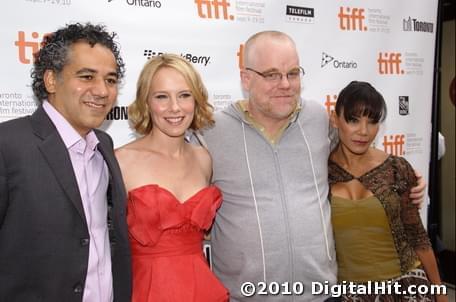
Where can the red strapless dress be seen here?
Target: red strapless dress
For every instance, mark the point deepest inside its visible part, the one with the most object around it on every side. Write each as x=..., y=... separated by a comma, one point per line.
x=166, y=244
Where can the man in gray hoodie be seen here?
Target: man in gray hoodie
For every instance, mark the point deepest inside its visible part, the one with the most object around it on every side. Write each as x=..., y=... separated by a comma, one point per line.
x=272, y=238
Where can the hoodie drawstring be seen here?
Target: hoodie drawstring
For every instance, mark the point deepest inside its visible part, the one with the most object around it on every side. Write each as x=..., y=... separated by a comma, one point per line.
x=322, y=217
x=254, y=201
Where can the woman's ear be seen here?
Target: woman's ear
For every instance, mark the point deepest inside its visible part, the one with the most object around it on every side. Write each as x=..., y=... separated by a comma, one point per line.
x=333, y=119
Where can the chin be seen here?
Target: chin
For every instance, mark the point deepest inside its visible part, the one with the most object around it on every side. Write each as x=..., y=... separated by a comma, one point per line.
x=358, y=151
x=174, y=133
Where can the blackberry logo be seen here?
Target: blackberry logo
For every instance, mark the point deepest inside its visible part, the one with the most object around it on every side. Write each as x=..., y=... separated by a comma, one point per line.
x=403, y=105
x=203, y=60
x=148, y=53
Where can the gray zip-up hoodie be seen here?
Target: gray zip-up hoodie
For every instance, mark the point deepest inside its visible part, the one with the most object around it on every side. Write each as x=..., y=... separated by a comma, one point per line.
x=274, y=223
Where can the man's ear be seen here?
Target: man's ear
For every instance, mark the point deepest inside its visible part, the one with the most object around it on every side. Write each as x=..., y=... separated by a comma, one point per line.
x=50, y=80
x=333, y=119
x=245, y=79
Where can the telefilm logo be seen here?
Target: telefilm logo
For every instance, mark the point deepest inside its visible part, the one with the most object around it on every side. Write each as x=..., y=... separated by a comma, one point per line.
x=142, y=3
x=299, y=14
x=403, y=105
x=352, y=19
x=416, y=25
x=203, y=60
x=27, y=45
x=214, y=9
x=118, y=113
x=394, y=144
x=389, y=63
x=337, y=63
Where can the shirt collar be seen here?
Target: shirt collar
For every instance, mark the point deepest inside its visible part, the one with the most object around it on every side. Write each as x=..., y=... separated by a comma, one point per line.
x=68, y=134
x=243, y=107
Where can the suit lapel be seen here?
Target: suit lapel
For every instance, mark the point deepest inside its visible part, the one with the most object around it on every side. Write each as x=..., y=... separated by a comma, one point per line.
x=106, y=150
x=56, y=155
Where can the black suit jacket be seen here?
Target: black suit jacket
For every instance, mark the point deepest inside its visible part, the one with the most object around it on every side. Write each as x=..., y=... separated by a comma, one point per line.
x=44, y=247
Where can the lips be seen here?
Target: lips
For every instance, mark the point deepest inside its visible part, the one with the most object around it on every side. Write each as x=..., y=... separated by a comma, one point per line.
x=360, y=142
x=95, y=105
x=174, y=120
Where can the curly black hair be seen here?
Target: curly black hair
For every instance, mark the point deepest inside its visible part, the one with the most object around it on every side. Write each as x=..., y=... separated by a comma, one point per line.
x=55, y=47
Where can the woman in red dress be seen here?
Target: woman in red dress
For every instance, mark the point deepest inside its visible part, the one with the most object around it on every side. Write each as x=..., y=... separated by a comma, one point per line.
x=171, y=202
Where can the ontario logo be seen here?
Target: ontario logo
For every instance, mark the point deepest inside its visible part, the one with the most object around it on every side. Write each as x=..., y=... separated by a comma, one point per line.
x=299, y=14
x=327, y=59
x=142, y=3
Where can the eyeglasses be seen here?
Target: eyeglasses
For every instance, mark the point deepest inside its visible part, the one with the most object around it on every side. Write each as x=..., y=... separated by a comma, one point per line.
x=275, y=76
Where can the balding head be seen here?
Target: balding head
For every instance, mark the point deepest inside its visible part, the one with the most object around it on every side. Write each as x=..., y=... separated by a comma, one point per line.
x=257, y=44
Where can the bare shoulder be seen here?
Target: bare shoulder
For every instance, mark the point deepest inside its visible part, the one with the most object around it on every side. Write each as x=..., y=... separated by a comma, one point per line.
x=379, y=156
x=202, y=157
x=128, y=153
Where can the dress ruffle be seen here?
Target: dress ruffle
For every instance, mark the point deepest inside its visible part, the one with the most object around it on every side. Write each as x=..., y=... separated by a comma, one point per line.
x=149, y=217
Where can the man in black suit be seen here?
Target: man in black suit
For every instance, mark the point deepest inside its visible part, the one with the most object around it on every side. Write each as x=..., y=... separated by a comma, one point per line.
x=63, y=232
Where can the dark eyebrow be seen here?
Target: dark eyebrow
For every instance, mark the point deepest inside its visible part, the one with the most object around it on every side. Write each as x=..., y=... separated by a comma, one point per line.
x=86, y=70
x=92, y=71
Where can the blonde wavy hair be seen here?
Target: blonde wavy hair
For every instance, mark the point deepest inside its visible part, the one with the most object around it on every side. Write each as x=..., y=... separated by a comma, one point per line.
x=138, y=111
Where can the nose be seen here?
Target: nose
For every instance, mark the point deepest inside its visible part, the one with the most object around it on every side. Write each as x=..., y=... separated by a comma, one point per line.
x=363, y=127
x=174, y=104
x=284, y=82
x=100, y=88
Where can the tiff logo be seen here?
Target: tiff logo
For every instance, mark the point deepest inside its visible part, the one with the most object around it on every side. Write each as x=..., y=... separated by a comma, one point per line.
x=240, y=55
x=26, y=48
x=208, y=9
x=330, y=103
x=389, y=63
x=351, y=19
x=394, y=144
